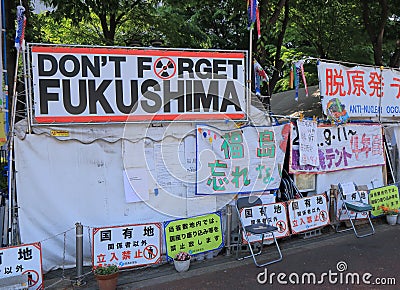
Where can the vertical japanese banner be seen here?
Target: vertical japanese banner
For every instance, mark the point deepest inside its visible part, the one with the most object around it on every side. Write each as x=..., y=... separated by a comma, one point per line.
x=244, y=160
x=351, y=197
x=340, y=147
x=308, y=147
x=273, y=214
x=24, y=259
x=361, y=91
x=127, y=246
x=194, y=235
x=308, y=213
x=384, y=196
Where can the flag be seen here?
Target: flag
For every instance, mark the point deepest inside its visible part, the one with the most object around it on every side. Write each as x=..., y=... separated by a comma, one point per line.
x=20, y=31
x=251, y=11
x=258, y=24
x=254, y=16
x=299, y=72
x=260, y=76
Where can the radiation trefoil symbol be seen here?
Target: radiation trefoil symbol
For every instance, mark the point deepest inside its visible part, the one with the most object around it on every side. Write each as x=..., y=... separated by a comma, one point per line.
x=164, y=68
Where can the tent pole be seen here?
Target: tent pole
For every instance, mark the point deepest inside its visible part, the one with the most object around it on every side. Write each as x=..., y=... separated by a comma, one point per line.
x=11, y=154
x=249, y=81
x=27, y=93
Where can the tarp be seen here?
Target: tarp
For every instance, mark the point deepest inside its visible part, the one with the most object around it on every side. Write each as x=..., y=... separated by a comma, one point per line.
x=70, y=174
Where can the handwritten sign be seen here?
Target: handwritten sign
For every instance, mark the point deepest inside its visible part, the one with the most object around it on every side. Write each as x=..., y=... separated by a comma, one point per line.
x=244, y=160
x=308, y=213
x=364, y=91
x=127, y=246
x=308, y=142
x=340, y=147
x=273, y=214
x=24, y=259
x=194, y=235
x=384, y=196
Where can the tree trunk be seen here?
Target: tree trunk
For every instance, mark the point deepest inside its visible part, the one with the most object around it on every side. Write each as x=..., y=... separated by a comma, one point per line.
x=375, y=30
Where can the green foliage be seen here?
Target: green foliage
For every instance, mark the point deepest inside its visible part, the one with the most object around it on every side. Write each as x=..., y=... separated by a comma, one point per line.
x=204, y=24
x=106, y=270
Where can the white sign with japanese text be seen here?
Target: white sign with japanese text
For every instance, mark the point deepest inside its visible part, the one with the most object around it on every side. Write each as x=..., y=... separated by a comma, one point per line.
x=341, y=210
x=364, y=91
x=127, y=246
x=308, y=213
x=244, y=160
x=273, y=214
x=24, y=259
x=308, y=142
x=76, y=84
x=341, y=147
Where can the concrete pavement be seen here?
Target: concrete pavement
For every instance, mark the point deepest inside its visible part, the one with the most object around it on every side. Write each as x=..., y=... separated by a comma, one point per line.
x=375, y=258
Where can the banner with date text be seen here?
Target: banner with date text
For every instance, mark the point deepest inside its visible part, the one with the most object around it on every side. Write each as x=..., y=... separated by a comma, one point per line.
x=340, y=147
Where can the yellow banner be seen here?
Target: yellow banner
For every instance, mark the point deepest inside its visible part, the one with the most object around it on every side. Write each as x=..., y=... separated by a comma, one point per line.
x=386, y=196
x=3, y=137
x=194, y=235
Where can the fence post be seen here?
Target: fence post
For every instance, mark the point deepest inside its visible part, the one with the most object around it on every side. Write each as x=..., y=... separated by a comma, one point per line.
x=79, y=253
x=228, y=229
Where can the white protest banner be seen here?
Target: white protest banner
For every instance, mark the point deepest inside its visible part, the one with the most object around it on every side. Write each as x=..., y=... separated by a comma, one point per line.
x=277, y=216
x=127, y=246
x=308, y=213
x=244, y=160
x=341, y=147
x=308, y=142
x=25, y=259
x=363, y=91
x=76, y=84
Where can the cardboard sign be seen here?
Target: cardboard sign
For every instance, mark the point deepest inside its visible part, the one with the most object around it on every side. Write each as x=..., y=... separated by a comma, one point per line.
x=249, y=159
x=75, y=84
x=127, y=246
x=24, y=259
x=194, y=235
x=277, y=216
x=384, y=196
x=308, y=213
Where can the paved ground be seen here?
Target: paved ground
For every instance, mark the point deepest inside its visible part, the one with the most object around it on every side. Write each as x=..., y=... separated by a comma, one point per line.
x=376, y=257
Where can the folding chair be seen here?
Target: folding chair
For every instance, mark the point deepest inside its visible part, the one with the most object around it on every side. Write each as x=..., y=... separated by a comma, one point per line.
x=345, y=193
x=254, y=229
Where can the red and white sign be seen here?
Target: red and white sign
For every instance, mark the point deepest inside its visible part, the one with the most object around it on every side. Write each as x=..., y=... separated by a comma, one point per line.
x=25, y=259
x=308, y=213
x=364, y=91
x=127, y=246
x=274, y=214
x=75, y=84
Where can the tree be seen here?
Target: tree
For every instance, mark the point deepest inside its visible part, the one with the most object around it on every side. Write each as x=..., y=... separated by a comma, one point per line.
x=203, y=24
x=329, y=30
x=375, y=16
x=110, y=14
x=274, y=22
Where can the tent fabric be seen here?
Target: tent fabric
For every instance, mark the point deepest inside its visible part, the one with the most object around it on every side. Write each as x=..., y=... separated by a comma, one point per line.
x=113, y=132
x=61, y=183
x=62, y=180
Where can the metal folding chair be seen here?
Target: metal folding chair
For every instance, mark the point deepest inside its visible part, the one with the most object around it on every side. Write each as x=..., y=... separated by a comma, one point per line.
x=346, y=194
x=260, y=228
